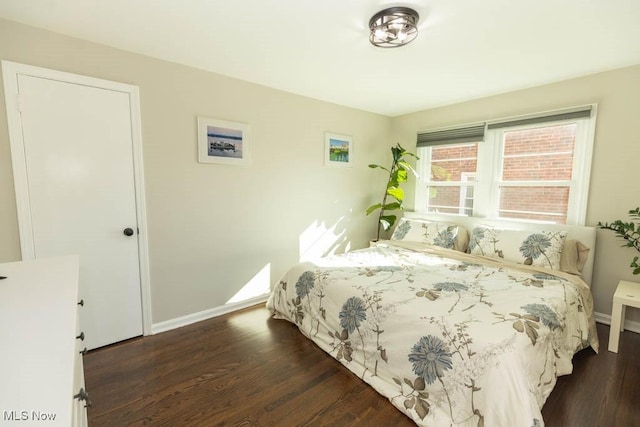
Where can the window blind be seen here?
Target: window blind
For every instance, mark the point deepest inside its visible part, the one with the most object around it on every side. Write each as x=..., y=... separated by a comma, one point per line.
x=580, y=113
x=459, y=135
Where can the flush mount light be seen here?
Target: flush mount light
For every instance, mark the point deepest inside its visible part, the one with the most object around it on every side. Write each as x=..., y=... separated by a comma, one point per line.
x=393, y=27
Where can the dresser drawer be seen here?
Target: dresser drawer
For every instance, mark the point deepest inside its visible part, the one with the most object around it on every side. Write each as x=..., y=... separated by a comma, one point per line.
x=40, y=367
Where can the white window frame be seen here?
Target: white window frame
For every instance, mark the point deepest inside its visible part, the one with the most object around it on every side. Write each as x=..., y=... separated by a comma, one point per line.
x=423, y=169
x=467, y=180
x=489, y=170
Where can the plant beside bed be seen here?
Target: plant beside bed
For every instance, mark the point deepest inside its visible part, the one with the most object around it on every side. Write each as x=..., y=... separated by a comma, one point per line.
x=398, y=173
x=630, y=232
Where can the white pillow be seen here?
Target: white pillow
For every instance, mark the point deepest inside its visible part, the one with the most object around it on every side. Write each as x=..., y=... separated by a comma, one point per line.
x=540, y=248
x=444, y=234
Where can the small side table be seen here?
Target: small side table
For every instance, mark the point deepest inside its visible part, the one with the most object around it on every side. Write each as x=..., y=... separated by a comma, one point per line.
x=627, y=294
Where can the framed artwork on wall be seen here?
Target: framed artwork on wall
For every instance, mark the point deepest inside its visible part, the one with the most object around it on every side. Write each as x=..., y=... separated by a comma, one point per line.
x=338, y=150
x=223, y=142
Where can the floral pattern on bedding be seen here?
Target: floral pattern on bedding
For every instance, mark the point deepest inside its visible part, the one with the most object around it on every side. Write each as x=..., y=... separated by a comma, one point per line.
x=449, y=339
x=445, y=235
x=540, y=248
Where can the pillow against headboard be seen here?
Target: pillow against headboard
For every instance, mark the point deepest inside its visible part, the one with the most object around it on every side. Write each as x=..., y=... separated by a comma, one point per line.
x=444, y=234
x=574, y=256
x=539, y=248
x=584, y=234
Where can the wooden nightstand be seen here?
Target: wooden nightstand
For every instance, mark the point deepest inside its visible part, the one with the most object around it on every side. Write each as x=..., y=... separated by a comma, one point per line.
x=627, y=294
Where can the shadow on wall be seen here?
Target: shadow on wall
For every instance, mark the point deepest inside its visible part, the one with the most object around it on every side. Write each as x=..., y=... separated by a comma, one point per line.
x=319, y=239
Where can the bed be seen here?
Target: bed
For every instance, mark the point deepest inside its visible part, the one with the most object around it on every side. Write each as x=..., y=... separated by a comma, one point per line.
x=458, y=321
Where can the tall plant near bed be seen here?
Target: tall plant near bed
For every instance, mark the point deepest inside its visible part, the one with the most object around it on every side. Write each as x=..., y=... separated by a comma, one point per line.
x=398, y=173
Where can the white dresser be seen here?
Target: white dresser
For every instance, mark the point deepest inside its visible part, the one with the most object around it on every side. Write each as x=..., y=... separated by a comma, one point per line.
x=41, y=373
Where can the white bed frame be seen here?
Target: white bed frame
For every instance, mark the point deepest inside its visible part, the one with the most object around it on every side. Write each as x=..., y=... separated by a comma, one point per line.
x=586, y=235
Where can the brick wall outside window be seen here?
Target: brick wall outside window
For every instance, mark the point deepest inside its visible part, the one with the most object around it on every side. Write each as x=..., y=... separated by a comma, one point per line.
x=543, y=148
x=540, y=154
x=454, y=160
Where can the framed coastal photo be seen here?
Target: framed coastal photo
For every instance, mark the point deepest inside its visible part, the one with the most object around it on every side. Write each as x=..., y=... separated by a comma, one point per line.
x=338, y=150
x=223, y=142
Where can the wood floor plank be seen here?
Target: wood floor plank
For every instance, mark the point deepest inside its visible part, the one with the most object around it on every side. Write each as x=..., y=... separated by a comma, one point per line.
x=247, y=369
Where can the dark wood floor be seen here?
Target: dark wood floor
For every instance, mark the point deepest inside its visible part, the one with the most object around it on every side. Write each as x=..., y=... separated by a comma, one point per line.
x=246, y=369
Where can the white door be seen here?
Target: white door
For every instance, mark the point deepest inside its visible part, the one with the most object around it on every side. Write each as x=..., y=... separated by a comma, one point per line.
x=82, y=196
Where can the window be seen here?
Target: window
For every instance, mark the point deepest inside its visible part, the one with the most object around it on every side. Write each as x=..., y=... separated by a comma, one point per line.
x=534, y=168
x=451, y=170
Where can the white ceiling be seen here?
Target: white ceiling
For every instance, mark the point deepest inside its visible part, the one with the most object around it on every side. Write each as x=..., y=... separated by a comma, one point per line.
x=466, y=49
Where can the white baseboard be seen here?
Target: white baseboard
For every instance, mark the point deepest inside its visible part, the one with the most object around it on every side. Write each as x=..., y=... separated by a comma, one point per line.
x=178, y=322
x=629, y=325
x=167, y=325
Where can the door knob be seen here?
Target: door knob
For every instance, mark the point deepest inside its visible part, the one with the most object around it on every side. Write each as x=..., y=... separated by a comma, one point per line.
x=128, y=231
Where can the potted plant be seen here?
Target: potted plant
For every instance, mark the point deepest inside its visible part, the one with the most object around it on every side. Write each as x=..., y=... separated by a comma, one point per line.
x=630, y=232
x=398, y=173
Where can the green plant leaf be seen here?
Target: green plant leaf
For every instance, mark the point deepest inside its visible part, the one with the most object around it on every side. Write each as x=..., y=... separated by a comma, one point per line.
x=387, y=221
x=397, y=193
x=402, y=175
x=397, y=152
x=378, y=166
x=373, y=208
x=392, y=207
x=407, y=168
x=399, y=175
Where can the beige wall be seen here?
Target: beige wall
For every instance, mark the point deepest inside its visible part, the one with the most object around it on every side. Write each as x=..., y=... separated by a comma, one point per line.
x=212, y=228
x=615, y=173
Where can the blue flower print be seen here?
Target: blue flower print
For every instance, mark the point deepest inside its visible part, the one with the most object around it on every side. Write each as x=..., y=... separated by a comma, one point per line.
x=547, y=316
x=477, y=235
x=352, y=314
x=444, y=239
x=430, y=357
x=450, y=287
x=534, y=246
x=305, y=283
x=401, y=231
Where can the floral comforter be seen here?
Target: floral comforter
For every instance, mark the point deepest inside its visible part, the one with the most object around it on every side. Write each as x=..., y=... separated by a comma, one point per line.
x=449, y=338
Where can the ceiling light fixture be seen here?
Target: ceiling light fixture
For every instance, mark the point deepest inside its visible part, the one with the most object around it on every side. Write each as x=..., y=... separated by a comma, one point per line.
x=393, y=27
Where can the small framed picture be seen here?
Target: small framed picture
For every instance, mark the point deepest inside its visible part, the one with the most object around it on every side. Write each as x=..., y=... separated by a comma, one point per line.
x=338, y=150
x=223, y=142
